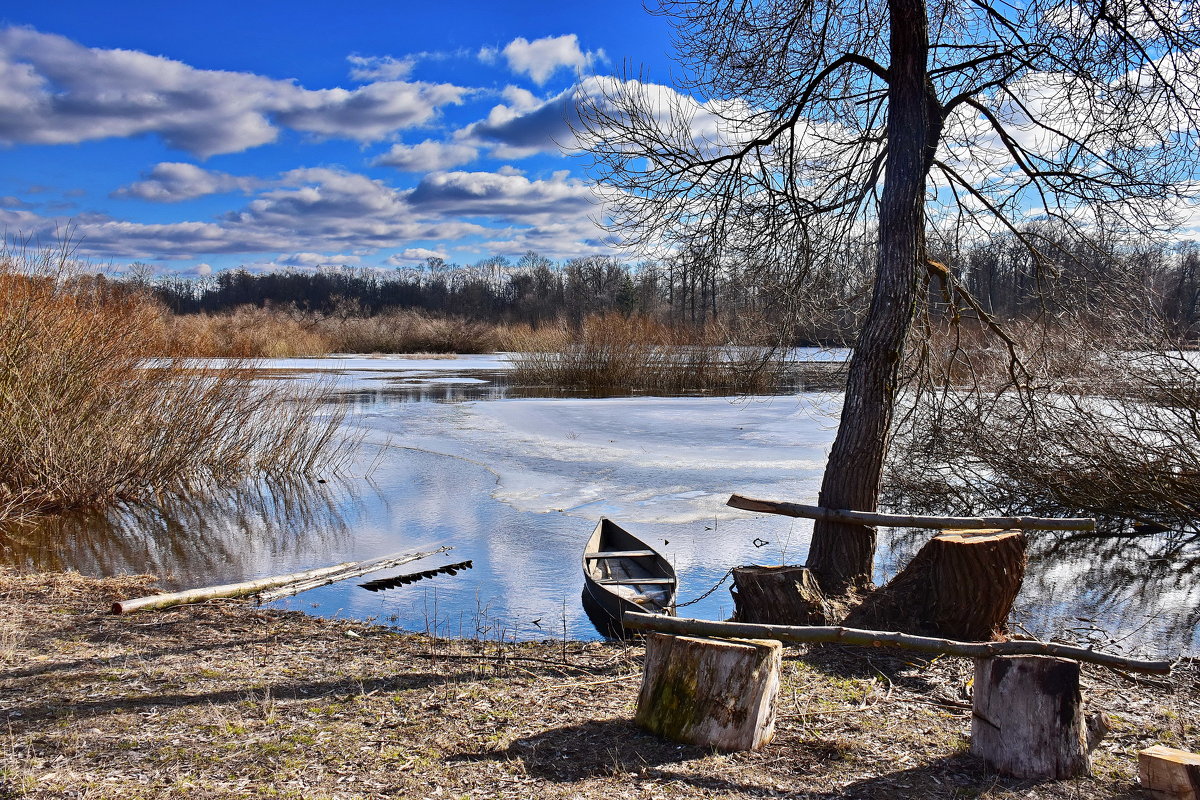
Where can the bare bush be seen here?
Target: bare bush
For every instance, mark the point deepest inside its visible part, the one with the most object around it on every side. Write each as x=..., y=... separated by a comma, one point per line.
x=86, y=420
x=1062, y=415
x=614, y=354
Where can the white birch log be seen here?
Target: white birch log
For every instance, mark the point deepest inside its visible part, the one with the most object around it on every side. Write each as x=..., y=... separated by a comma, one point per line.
x=710, y=692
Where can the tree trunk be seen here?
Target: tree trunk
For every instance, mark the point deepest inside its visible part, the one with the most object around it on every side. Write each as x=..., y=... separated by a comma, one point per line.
x=779, y=596
x=1028, y=717
x=960, y=585
x=710, y=692
x=842, y=554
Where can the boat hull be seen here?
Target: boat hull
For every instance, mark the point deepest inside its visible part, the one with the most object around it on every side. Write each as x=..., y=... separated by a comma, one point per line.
x=621, y=573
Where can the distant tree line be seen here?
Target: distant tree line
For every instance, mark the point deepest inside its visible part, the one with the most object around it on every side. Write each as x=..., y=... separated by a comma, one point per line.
x=817, y=298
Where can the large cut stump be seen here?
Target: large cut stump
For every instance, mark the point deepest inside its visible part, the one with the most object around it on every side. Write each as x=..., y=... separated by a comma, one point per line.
x=1170, y=774
x=779, y=596
x=710, y=692
x=960, y=585
x=1027, y=718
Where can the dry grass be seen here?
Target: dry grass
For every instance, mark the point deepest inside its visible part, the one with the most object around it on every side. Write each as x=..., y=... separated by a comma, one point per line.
x=85, y=421
x=615, y=354
x=223, y=700
x=250, y=331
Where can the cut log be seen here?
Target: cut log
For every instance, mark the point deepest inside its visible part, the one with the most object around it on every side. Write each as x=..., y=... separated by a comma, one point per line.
x=911, y=520
x=1027, y=719
x=1170, y=774
x=960, y=585
x=779, y=596
x=859, y=638
x=273, y=587
x=710, y=692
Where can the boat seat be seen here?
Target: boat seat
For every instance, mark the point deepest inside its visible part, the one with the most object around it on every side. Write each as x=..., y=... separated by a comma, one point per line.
x=621, y=554
x=632, y=581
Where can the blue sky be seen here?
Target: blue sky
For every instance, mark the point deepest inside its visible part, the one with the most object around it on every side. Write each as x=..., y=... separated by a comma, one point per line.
x=198, y=137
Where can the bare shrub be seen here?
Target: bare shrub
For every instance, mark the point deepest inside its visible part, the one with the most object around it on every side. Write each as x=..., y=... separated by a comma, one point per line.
x=86, y=420
x=1073, y=414
x=613, y=354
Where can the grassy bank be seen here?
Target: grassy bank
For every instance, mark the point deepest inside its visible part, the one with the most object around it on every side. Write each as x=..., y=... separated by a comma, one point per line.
x=86, y=421
x=225, y=700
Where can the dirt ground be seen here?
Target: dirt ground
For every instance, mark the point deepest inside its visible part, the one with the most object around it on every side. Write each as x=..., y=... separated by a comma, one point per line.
x=225, y=700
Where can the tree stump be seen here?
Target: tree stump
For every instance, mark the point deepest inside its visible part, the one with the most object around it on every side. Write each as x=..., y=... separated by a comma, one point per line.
x=711, y=692
x=960, y=585
x=779, y=596
x=1027, y=719
x=1170, y=774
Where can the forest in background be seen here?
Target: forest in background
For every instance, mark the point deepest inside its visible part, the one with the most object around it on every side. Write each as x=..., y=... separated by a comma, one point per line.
x=818, y=299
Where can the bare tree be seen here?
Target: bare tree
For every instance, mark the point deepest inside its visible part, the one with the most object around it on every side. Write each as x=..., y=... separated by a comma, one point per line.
x=830, y=120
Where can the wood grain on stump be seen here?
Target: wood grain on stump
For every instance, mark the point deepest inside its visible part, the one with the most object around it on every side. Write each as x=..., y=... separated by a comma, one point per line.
x=710, y=692
x=960, y=585
x=786, y=595
x=1027, y=719
x=1169, y=774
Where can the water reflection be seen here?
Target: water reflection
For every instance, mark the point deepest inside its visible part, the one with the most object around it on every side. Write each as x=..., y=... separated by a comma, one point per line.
x=1119, y=592
x=207, y=537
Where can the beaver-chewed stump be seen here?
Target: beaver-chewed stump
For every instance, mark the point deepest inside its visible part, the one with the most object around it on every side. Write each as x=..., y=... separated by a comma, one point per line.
x=1027, y=718
x=786, y=595
x=710, y=692
x=960, y=585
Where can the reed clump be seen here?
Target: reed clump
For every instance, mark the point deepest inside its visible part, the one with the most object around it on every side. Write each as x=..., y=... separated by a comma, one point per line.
x=612, y=353
x=255, y=332
x=87, y=420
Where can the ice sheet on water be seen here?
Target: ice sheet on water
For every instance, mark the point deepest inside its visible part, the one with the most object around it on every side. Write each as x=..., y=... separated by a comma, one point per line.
x=647, y=459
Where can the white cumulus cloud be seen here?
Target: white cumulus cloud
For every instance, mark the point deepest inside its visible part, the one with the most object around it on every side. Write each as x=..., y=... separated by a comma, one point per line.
x=541, y=58
x=428, y=156
x=173, y=181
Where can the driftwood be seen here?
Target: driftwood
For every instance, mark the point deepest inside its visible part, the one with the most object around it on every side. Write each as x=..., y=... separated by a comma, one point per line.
x=380, y=584
x=710, y=692
x=1169, y=774
x=273, y=587
x=911, y=520
x=960, y=585
x=786, y=595
x=1027, y=718
x=854, y=636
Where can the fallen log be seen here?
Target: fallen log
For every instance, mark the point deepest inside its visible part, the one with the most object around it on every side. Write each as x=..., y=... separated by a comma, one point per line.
x=283, y=585
x=808, y=634
x=911, y=520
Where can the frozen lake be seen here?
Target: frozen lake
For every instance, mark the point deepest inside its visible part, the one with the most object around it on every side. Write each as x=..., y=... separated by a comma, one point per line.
x=454, y=455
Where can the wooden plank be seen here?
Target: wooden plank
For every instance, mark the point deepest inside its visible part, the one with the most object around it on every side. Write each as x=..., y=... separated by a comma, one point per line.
x=911, y=520
x=621, y=554
x=1170, y=774
x=633, y=581
x=855, y=636
x=280, y=584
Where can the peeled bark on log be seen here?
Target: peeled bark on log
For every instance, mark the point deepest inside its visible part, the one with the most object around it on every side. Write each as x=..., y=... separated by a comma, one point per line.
x=859, y=638
x=1027, y=719
x=784, y=595
x=960, y=585
x=710, y=692
x=1169, y=774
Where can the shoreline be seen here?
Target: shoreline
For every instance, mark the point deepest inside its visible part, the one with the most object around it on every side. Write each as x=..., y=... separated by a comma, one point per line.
x=227, y=700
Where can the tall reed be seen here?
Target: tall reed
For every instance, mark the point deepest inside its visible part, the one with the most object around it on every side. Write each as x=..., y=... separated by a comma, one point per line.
x=86, y=420
x=615, y=354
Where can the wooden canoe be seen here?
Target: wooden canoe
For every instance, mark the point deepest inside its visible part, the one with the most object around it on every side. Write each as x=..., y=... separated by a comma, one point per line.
x=622, y=573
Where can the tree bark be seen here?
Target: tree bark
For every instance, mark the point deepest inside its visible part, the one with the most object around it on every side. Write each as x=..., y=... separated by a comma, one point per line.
x=1027, y=718
x=710, y=692
x=842, y=554
x=779, y=596
x=960, y=585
